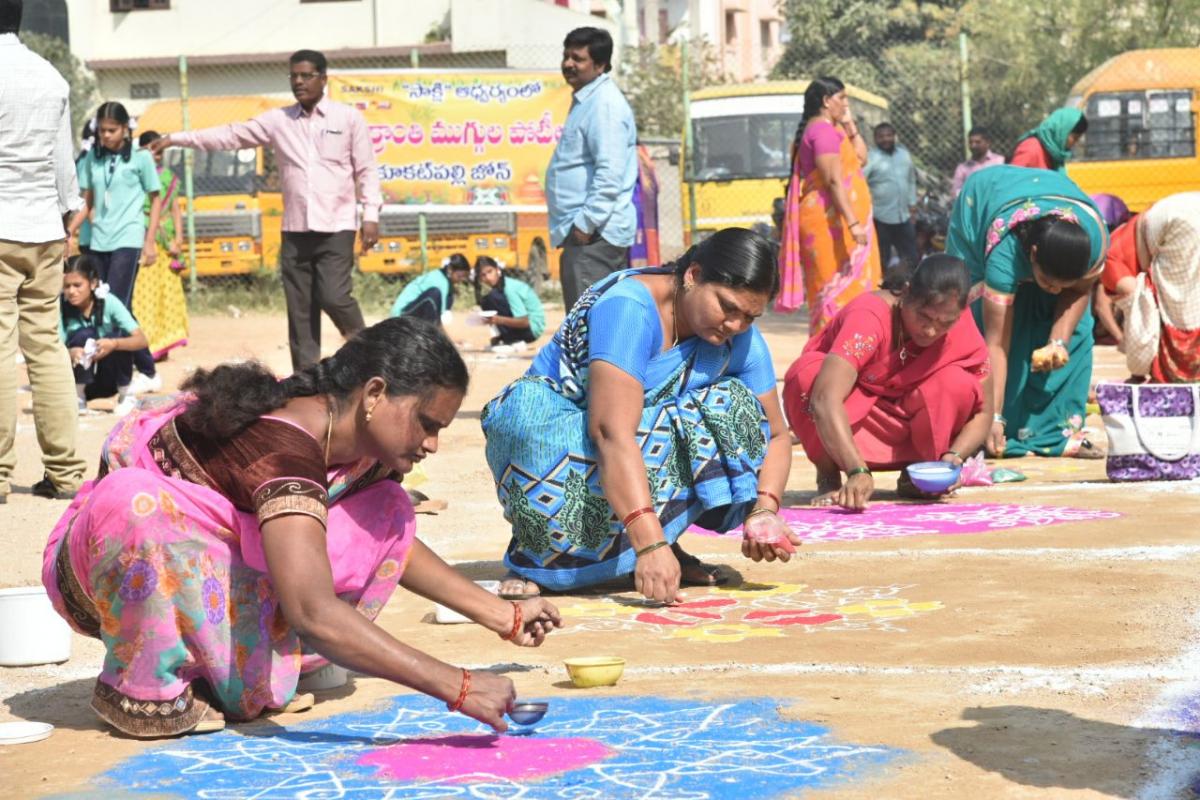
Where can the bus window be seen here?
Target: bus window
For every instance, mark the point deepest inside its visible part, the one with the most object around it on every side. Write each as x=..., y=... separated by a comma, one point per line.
x=721, y=148
x=771, y=145
x=1138, y=125
x=218, y=171
x=753, y=146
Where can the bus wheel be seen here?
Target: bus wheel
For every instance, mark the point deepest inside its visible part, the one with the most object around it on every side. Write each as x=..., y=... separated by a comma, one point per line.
x=537, y=267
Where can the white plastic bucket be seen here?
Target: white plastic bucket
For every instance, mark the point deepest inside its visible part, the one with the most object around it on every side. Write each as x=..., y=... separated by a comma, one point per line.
x=446, y=616
x=31, y=631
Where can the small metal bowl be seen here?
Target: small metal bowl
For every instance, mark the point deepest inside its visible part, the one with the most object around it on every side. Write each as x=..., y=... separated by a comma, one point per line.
x=528, y=713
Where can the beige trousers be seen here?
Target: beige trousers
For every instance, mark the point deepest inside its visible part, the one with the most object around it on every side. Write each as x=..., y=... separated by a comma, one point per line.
x=30, y=285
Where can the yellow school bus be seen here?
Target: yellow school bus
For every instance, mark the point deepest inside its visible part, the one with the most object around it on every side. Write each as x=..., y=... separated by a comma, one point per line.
x=239, y=209
x=741, y=149
x=1141, y=138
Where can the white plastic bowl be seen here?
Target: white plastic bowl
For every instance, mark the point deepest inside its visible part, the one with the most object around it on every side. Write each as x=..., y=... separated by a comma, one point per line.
x=446, y=616
x=31, y=631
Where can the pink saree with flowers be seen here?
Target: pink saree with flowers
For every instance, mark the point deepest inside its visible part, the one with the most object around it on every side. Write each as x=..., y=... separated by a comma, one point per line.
x=162, y=562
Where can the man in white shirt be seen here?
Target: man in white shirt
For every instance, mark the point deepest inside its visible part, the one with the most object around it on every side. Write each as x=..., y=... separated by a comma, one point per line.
x=38, y=190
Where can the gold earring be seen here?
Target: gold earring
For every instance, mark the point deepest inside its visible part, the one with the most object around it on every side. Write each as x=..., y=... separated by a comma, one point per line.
x=368, y=416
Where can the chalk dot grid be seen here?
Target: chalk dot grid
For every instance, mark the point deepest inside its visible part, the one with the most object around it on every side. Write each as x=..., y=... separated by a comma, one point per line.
x=657, y=747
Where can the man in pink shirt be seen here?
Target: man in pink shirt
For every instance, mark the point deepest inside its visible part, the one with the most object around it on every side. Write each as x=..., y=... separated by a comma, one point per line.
x=324, y=152
x=979, y=142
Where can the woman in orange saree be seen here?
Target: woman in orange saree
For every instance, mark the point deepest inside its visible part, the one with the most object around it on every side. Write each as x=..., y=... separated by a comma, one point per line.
x=828, y=254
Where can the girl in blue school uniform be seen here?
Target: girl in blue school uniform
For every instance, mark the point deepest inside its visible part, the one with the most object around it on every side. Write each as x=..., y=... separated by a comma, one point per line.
x=116, y=180
x=105, y=367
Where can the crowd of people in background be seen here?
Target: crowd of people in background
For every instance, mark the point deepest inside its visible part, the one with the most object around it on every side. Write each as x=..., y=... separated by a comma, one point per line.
x=652, y=408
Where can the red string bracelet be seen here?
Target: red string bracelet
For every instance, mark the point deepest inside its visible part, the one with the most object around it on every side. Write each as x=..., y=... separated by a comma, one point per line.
x=518, y=623
x=632, y=515
x=462, y=693
x=772, y=496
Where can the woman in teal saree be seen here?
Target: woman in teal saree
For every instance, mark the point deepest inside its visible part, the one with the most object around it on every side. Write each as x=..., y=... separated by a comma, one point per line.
x=1035, y=244
x=654, y=407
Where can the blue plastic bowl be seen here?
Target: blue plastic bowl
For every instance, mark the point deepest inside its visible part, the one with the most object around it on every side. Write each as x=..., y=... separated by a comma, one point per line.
x=933, y=477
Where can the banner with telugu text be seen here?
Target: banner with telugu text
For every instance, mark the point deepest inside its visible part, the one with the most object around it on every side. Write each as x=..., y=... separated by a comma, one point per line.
x=459, y=137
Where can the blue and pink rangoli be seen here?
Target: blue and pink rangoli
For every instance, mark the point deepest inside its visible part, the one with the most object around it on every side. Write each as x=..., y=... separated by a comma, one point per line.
x=585, y=749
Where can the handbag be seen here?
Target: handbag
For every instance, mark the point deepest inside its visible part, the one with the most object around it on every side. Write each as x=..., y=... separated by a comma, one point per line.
x=1153, y=430
x=1143, y=327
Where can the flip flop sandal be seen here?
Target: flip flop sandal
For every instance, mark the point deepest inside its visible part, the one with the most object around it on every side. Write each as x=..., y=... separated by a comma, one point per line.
x=512, y=576
x=211, y=722
x=686, y=560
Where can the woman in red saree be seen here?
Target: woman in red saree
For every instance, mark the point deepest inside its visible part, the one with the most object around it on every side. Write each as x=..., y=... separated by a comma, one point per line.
x=899, y=376
x=827, y=253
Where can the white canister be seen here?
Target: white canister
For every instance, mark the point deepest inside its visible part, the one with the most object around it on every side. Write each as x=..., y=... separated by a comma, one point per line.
x=31, y=631
x=447, y=616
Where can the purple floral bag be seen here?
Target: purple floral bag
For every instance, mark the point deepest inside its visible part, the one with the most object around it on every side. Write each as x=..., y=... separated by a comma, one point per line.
x=1153, y=430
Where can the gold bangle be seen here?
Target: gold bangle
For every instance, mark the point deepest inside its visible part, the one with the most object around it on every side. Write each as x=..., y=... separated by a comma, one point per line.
x=650, y=548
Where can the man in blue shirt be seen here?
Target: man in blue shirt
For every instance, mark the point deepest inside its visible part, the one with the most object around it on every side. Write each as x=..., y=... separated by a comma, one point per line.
x=589, y=183
x=893, y=180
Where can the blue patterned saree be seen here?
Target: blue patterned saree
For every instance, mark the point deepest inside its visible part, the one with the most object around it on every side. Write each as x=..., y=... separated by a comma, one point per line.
x=703, y=436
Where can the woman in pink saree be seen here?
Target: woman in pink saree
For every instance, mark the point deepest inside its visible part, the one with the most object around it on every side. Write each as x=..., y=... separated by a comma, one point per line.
x=251, y=530
x=900, y=376
x=827, y=253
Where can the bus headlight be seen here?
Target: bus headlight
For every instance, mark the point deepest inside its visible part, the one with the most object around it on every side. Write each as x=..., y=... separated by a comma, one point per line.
x=500, y=242
x=244, y=247
x=481, y=243
x=226, y=247
x=393, y=247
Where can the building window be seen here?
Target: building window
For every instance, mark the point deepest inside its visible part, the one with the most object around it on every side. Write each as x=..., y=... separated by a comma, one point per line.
x=145, y=91
x=118, y=6
x=730, y=27
x=764, y=34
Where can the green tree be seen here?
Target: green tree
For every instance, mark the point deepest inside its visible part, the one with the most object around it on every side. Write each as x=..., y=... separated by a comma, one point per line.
x=1025, y=58
x=898, y=49
x=651, y=77
x=83, y=85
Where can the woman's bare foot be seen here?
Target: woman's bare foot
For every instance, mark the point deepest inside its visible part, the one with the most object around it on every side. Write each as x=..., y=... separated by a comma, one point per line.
x=514, y=587
x=828, y=485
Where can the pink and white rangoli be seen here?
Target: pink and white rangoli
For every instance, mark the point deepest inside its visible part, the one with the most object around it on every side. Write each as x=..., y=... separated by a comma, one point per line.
x=891, y=520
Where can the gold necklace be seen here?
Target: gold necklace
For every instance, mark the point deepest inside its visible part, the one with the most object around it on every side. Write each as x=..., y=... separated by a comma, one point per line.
x=675, y=316
x=328, y=436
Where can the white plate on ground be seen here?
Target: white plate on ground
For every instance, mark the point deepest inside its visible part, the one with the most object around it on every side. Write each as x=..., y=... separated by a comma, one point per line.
x=24, y=732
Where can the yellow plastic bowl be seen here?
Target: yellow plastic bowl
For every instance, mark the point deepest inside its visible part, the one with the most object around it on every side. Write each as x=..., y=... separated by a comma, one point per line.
x=595, y=671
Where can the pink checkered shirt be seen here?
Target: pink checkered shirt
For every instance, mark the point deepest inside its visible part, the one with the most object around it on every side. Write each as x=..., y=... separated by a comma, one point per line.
x=322, y=157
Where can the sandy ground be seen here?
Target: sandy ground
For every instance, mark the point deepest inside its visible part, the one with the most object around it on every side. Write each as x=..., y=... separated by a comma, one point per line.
x=1042, y=661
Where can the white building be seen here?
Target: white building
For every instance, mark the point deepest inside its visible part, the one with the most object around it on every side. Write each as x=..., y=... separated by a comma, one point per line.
x=239, y=47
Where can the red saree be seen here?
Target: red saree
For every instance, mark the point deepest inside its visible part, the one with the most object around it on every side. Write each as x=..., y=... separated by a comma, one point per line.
x=908, y=404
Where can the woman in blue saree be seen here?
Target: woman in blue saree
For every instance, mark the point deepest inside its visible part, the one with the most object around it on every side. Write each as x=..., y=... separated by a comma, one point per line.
x=1035, y=244
x=654, y=407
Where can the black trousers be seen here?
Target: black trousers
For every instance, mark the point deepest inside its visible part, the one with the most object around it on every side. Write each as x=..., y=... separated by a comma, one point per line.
x=584, y=264
x=105, y=377
x=119, y=269
x=902, y=236
x=316, y=270
x=496, y=301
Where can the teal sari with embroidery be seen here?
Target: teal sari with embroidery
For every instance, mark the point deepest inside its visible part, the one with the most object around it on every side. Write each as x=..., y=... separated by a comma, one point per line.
x=703, y=436
x=1045, y=411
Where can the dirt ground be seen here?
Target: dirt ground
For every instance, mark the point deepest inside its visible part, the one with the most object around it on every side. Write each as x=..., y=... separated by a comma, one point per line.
x=1039, y=661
